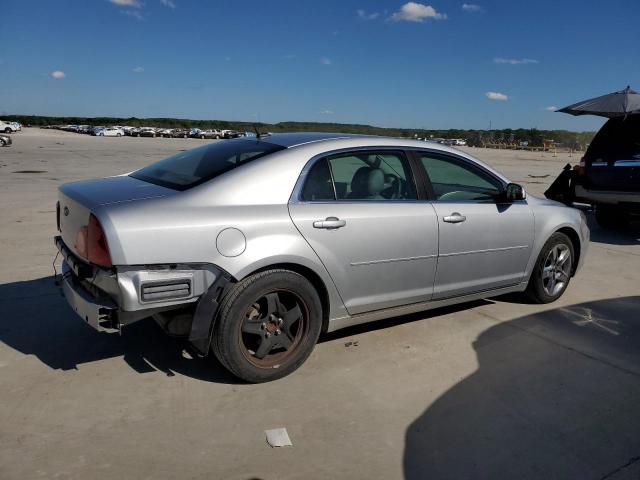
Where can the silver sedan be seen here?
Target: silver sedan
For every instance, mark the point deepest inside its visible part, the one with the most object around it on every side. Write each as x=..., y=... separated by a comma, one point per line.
x=252, y=248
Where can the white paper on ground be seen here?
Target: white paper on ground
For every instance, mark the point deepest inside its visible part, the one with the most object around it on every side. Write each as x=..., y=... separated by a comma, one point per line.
x=278, y=437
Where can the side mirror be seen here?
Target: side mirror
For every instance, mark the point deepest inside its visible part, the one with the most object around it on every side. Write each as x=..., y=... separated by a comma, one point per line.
x=514, y=192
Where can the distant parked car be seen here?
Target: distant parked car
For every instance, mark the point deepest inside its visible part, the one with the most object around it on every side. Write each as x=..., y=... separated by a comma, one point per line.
x=5, y=140
x=230, y=134
x=180, y=133
x=111, y=132
x=208, y=134
x=7, y=127
x=147, y=132
x=608, y=176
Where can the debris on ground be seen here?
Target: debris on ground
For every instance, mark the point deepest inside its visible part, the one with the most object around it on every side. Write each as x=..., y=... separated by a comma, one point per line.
x=538, y=176
x=278, y=437
x=351, y=344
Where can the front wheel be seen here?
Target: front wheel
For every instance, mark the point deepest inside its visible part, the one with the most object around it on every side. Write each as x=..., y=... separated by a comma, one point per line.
x=267, y=325
x=552, y=271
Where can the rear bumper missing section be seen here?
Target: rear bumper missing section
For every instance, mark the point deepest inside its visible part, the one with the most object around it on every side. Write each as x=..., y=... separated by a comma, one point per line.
x=99, y=313
x=108, y=299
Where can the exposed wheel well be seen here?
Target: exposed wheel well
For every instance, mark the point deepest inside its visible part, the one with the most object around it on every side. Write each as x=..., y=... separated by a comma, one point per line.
x=575, y=240
x=315, y=280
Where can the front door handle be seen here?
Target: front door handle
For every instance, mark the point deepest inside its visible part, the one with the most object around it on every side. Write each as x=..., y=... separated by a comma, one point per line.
x=455, y=217
x=329, y=223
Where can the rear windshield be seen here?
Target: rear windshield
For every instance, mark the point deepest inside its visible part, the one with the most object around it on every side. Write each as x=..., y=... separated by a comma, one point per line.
x=193, y=167
x=618, y=139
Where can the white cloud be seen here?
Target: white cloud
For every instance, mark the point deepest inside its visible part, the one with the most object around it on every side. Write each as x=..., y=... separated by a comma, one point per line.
x=325, y=61
x=168, y=3
x=552, y=108
x=127, y=3
x=364, y=15
x=135, y=14
x=417, y=12
x=515, y=61
x=497, y=96
x=57, y=74
x=327, y=112
x=471, y=8
x=138, y=70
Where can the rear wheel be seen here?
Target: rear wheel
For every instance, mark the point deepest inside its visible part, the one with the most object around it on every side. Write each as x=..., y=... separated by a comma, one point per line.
x=7, y=130
x=611, y=216
x=552, y=271
x=267, y=325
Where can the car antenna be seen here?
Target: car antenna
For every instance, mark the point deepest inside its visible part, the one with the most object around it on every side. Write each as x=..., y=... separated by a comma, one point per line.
x=255, y=129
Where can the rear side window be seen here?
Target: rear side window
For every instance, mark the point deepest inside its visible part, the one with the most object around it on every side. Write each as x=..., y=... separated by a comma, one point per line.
x=193, y=167
x=360, y=176
x=454, y=180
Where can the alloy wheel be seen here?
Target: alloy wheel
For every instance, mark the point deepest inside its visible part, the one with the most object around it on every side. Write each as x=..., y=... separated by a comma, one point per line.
x=557, y=269
x=273, y=327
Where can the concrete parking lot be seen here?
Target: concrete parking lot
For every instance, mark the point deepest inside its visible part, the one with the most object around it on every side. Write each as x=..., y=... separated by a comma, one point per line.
x=492, y=389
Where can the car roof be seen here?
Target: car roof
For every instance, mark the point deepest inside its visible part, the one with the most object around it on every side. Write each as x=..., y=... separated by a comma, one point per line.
x=298, y=138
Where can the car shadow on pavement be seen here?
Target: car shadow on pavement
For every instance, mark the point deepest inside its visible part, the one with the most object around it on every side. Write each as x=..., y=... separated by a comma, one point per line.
x=36, y=320
x=629, y=235
x=556, y=394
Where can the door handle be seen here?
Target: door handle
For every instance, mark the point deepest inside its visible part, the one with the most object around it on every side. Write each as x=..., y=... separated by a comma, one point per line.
x=329, y=223
x=455, y=217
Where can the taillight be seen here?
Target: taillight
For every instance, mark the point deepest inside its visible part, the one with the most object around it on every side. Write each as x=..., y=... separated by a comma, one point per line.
x=80, y=245
x=98, y=248
x=91, y=243
x=58, y=216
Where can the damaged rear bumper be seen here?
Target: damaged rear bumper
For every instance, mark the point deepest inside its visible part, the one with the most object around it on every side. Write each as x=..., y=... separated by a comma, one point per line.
x=108, y=299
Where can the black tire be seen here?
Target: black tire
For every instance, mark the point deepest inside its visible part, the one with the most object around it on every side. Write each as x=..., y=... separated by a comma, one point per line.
x=537, y=289
x=242, y=317
x=611, y=217
x=2, y=143
x=7, y=130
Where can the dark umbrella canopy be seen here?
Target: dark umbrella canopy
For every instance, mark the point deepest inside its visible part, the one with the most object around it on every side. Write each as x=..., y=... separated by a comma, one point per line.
x=617, y=104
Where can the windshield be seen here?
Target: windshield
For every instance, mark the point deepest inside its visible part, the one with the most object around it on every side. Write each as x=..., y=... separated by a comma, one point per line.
x=193, y=167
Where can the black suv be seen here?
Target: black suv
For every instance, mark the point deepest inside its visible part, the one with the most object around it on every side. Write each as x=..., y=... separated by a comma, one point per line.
x=608, y=176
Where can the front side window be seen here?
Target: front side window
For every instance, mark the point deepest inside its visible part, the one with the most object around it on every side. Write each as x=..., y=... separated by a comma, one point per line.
x=193, y=167
x=360, y=176
x=454, y=180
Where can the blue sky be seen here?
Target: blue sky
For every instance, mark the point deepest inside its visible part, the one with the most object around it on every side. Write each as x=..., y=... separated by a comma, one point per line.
x=434, y=64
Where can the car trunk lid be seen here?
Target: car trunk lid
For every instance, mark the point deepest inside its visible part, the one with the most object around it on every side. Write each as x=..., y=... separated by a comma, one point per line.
x=77, y=200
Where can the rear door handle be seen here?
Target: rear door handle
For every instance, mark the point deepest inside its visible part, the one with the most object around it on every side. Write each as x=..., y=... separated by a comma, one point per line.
x=329, y=223
x=455, y=217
